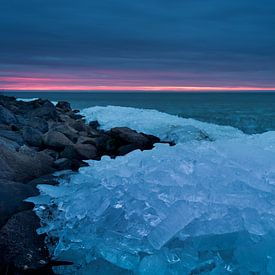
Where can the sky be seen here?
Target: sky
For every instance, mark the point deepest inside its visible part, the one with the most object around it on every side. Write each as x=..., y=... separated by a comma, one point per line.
x=137, y=45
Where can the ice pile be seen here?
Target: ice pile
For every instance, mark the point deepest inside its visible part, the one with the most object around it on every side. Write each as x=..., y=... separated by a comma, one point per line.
x=165, y=126
x=200, y=207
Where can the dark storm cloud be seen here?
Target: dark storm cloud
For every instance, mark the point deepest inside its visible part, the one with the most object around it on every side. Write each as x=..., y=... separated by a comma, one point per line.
x=216, y=36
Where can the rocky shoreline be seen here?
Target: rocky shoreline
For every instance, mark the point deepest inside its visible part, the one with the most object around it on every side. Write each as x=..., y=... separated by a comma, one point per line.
x=38, y=138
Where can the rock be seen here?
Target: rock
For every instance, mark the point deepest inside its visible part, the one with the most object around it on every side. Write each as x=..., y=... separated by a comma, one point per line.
x=152, y=138
x=64, y=118
x=104, y=143
x=50, y=152
x=12, y=195
x=94, y=124
x=56, y=140
x=83, y=133
x=86, y=140
x=26, y=150
x=5, y=127
x=46, y=179
x=75, y=116
x=38, y=123
x=46, y=111
x=32, y=136
x=78, y=125
x=68, y=131
x=62, y=164
x=18, y=166
x=11, y=135
x=6, y=116
x=125, y=149
x=76, y=164
x=64, y=105
x=22, y=249
x=93, y=133
x=127, y=135
x=86, y=151
x=80, y=152
x=9, y=144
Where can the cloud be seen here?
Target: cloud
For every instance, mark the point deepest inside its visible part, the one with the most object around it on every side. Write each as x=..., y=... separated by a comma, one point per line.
x=220, y=39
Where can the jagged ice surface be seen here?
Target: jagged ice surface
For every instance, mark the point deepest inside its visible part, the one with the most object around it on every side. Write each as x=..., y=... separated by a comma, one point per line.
x=204, y=206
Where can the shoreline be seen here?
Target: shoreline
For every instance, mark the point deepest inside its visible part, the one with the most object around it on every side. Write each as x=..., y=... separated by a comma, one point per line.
x=38, y=138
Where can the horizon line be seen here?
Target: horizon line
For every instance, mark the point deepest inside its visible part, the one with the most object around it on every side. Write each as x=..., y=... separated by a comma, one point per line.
x=139, y=88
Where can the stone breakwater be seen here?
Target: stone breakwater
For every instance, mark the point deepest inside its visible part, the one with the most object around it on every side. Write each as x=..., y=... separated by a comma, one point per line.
x=38, y=138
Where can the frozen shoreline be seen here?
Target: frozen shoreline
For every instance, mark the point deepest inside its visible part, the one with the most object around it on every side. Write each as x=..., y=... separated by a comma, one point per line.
x=149, y=206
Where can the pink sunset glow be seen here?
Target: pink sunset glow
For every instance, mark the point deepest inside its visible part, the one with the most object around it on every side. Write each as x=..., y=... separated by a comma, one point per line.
x=121, y=81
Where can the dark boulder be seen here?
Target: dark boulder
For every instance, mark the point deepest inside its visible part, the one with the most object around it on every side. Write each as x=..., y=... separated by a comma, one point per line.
x=52, y=153
x=45, y=109
x=80, y=152
x=128, y=136
x=75, y=116
x=56, y=140
x=86, y=151
x=9, y=144
x=104, y=143
x=125, y=149
x=62, y=164
x=22, y=250
x=64, y=105
x=65, y=129
x=38, y=123
x=12, y=135
x=94, y=124
x=78, y=125
x=46, y=179
x=21, y=166
x=12, y=195
x=6, y=116
x=32, y=136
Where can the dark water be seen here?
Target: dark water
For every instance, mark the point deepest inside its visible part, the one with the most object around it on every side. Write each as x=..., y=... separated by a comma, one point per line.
x=250, y=112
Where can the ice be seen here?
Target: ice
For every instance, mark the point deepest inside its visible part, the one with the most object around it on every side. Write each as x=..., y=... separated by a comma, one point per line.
x=27, y=99
x=203, y=206
x=165, y=126
x=32, y=99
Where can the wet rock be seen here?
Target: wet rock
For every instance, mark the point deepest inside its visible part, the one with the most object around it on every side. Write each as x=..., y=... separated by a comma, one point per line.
x=86, y=140
x=22, y=249
x=86, y=151
x=56, y=140
x=46, y=179
x=12, y=135
x=38, y=123
x=47, y=110
x=78, y=125
x=75, y=116
x=94, y=124
x=76, y=164
x=50, y=152
x=32, y=136
x=127, y=136
x=80, y=152
x=64, y=105
x=125, y=149
x=62, y=164
x=6, y=116
x=9, y=144
x=68, y=131
x=18, y=166
x=26, y=150
x=12, y=195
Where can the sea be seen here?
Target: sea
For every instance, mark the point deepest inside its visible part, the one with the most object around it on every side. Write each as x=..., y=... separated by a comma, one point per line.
x=252, y=112
x=203, y=206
